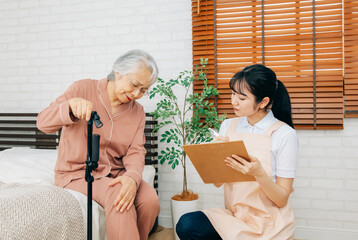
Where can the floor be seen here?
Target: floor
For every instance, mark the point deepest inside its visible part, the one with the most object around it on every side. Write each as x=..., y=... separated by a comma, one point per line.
x=162, y=233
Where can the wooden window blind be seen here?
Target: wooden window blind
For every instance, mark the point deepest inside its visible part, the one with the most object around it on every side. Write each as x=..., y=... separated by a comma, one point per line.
x=300, y=40
x=351, y=58
x=203, y=29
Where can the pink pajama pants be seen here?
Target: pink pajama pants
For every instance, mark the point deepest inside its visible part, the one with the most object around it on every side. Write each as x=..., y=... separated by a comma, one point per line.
x=133, y=224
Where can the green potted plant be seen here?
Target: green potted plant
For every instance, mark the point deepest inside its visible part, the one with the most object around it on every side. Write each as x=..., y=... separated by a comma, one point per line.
x=186, y=121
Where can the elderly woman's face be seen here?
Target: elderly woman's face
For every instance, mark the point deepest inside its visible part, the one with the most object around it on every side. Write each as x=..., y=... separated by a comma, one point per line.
x=131, y=86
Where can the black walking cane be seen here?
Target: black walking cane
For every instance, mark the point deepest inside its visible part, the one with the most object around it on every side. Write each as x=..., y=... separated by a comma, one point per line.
x=91, y=164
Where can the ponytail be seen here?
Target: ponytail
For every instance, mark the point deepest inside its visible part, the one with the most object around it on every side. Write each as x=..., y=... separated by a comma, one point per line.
x=281, y=106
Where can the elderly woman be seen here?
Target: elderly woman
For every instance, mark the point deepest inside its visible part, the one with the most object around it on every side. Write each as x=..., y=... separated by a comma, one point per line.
x=131, y=205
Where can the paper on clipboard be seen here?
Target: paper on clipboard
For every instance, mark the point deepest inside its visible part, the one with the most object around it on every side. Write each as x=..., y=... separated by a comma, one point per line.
x=208, y=159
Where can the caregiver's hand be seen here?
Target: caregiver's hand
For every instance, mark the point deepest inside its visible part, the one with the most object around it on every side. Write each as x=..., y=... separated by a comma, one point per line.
x=252, y=167
x=221, y=139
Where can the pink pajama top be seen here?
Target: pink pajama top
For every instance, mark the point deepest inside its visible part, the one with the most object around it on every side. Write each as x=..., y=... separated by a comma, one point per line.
x=122, y=141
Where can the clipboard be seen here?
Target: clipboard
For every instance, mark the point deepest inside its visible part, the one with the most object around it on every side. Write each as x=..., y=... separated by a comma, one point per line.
x=208, y=160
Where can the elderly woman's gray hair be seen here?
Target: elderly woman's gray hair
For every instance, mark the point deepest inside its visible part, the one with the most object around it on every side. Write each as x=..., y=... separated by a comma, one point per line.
x=131, y=61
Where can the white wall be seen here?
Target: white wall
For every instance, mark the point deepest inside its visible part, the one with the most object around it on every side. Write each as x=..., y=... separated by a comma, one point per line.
x=46, y=45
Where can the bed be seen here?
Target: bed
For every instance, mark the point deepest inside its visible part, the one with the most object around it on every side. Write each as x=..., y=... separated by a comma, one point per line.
x=38, y=209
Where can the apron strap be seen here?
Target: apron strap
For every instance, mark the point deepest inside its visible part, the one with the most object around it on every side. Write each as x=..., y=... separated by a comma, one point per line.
x=232, y=126
x=274, y=127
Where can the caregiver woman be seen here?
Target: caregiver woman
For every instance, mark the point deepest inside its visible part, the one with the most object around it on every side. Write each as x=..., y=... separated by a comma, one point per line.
x=131, y=205
x=259, y=209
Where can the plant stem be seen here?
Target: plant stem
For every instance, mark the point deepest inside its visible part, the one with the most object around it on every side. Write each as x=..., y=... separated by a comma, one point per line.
x=185, y=185
x=183, y=134
x=177, y=107
x=186, y=94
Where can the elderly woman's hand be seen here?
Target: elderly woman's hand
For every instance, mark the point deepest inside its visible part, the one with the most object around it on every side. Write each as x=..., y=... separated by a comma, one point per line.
x=81, y=108
x=126, y=195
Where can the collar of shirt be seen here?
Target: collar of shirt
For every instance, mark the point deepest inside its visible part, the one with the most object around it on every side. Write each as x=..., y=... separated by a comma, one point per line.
x=263, y=124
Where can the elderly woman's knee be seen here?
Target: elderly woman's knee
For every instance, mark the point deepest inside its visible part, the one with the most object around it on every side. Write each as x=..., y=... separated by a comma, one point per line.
x=150, y=203
x=153, y=203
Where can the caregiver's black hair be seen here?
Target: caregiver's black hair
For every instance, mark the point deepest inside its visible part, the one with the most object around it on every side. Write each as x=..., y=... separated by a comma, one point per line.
x=261, y=81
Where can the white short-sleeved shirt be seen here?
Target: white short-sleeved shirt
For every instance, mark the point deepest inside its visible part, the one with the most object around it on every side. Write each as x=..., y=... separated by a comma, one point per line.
x=284, y=146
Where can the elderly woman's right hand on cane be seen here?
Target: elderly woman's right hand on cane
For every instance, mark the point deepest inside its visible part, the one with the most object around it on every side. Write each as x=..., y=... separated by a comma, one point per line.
x=81, y=108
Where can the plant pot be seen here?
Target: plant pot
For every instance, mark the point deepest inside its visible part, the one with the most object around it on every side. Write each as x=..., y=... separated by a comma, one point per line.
x=181, y=207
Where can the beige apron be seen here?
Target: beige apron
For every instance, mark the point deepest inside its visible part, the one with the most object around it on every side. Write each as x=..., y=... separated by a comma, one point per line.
x=248, y=213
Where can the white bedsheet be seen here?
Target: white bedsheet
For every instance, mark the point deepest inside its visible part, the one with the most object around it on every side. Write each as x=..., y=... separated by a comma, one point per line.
x=36, y=166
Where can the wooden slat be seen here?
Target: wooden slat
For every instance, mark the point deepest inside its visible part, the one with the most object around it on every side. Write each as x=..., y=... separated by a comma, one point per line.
x=28, y=143
x=33, y=129
x=18, y=114
x=15, y=121
x=47, y=136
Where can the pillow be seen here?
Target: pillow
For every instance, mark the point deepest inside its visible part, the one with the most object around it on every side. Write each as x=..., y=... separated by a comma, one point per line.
x=26, y=165
x=148, y=174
